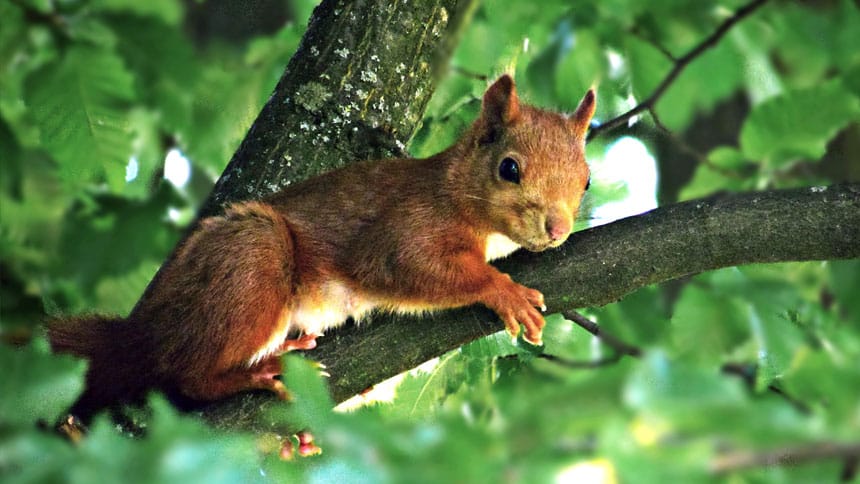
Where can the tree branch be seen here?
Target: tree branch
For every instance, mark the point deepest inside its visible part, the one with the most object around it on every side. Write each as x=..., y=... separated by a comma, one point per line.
x=599, y=266
x=616, y=344
x=739, y=460
x=602, y=264
x=681, y=63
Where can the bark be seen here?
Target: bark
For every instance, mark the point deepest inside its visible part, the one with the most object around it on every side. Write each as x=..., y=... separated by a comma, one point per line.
x=355, y=89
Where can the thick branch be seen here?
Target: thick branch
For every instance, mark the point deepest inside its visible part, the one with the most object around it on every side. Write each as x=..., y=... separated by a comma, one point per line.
x=681, y=63
x=739, y=460
x=601, y=265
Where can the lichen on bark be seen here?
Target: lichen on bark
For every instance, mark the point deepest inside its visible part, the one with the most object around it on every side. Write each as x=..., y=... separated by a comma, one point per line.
x=356, y=89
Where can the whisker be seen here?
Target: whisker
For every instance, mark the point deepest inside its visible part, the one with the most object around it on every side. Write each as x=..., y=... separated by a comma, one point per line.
x=475, y=197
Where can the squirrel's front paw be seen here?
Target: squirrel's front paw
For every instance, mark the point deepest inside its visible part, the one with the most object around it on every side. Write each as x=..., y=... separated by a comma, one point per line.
x=515, y=305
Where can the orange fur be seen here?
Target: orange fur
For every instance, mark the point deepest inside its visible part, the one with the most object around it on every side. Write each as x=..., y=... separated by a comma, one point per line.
x=400, y=235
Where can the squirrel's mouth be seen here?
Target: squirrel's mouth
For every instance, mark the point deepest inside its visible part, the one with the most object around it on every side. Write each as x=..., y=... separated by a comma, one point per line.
x=537, y=246
x=540, y=246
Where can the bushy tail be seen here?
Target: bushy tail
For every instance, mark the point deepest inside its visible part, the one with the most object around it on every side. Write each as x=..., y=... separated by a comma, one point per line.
x=120, y=367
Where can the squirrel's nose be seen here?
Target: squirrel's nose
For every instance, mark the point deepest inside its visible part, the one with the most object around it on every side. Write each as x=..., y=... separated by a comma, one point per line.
x=557, y=226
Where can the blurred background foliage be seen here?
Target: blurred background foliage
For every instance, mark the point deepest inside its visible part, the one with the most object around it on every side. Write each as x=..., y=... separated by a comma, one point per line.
x=116, y=117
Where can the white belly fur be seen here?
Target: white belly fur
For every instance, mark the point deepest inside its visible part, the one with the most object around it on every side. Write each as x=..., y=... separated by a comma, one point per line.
x=498, y=246
x=330, y=307
x=335, y=303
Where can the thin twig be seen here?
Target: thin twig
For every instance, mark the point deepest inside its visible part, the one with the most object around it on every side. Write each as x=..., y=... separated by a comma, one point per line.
x=470, y=74
x=616, y=344
x=619, y=347
x=748, y=374
x=746, y=459
x=680, y=64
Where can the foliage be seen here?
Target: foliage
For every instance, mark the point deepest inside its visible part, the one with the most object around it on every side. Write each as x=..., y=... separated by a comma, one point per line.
x=93, y=95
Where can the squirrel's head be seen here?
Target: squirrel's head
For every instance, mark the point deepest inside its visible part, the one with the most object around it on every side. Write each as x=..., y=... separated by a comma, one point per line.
x=527, y=170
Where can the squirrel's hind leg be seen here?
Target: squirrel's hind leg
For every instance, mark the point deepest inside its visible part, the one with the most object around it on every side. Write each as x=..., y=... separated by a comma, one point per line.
x=259, y=376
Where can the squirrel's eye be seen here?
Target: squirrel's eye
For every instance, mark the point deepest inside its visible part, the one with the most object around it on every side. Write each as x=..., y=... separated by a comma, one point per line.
x=509, y=170
x=588, y=184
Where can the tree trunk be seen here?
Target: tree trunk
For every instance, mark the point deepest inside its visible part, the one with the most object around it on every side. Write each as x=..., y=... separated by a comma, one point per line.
x=356, y=89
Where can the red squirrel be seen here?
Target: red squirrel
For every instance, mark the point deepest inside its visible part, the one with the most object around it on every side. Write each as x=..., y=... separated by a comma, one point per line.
x=403, y=235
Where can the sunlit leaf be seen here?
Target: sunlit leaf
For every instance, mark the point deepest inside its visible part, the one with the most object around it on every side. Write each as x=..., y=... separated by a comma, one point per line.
x=421, y=392
x=80, y=104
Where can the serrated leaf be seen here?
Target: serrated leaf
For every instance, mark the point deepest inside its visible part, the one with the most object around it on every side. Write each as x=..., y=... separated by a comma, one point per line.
x=118, y=294
x=37, y=385
x=422, y=392
x=494, y=345
x=165, y=67
x=79, y=104
x=114, y=239
x=707, y=181
x=797, y=124
x=777, y=341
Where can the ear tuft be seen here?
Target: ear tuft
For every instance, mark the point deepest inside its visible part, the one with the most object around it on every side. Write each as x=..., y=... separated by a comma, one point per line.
x=581, y=118
x=501, y=104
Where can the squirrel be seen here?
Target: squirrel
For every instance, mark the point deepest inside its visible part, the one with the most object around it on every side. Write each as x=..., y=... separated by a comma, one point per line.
x=403, y=235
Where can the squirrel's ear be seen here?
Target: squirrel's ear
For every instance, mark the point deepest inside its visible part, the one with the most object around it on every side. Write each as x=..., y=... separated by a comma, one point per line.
x=581, y=118
x=501, y=104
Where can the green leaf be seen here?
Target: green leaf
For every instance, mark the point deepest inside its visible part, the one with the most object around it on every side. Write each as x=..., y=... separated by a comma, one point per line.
x=492, y=346
x=647, y=67
x=168, y=11
x=583, y=67
x=311, y=405
x=421, y=392
x=777, y=342
x=80, y=105
x=34, y=456
x=37, y=384
x=675, y=390
x=164, y=64
x=844, y=282
x=707, y=325
x=709, y=79
x=176, y=448
x=117, y=238
x=797, y=124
